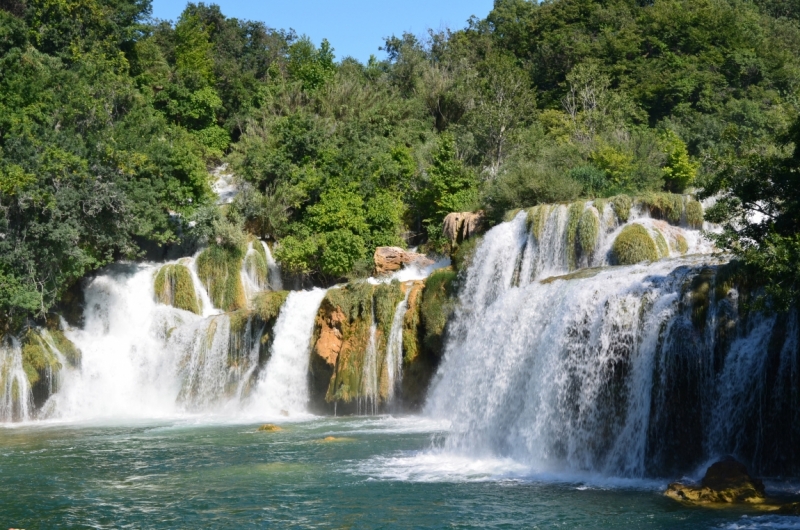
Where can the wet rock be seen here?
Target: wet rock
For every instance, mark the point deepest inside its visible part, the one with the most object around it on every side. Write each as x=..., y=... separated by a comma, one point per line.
x=269, y=427
x=459, y=226
x=391, y=259
x=726, y=481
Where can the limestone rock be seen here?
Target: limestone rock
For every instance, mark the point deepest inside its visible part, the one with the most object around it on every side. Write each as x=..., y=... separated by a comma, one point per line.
x=269, y=427
x=391, y=259
x=329, y=343
x=459, y=226
x=726, y=481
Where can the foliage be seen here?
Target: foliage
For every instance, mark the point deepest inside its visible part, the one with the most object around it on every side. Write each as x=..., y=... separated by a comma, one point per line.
x=173, y=286
x=633, y=245
x=588, y=232
x=541, y=102
x=218, y=267
x=267, y=304
x=436, y=306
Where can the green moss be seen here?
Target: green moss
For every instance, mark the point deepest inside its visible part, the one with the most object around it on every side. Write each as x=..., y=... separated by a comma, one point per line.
x=700, y=295
x=256, y=264
x=536, y=219
x=666, y=206
x=173, y=286
x=573, y=219
x=436, y=306
x=600, y=205
x=267, y=304
x=387, y=296
x=680, y=245
x=634, y=245
x=411, y=324
x=588, y=232
x=694, y=214
x=661, y=243
x=37, y=356
x=218, y=268
x=510, y=215
x=70, y=352
x=464, y=253
x=622, y=204
x=355, y=299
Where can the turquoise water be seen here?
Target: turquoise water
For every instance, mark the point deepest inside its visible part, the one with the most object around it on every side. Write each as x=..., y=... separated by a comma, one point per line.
x=380, y=473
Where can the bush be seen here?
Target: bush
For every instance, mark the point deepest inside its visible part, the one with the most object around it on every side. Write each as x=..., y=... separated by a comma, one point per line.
x=173, y=286
x=588, y=231
x=694, y=214
x=218, y=268
x=634, y=245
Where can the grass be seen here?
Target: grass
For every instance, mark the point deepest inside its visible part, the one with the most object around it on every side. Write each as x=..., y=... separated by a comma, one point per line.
x=573, y=219
x=680, y=244
x=634, y=245
x=537, y=217
x=256, y=264
x=588, y=232
x=436, y=306
x=661, y=243
x=218, y=268
x=694, y=214
x=37, y=356
x=622, y=204
x=174, y=286
x=666, y=206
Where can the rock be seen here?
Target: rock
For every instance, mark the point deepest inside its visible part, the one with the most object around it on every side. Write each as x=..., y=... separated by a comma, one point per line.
x=269, y=427
x=329, y=343
x=726, y=481
x=459, y=226
x=391, y=259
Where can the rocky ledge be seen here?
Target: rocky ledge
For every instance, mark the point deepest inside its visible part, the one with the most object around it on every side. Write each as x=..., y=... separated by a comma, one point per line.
x=727, y=482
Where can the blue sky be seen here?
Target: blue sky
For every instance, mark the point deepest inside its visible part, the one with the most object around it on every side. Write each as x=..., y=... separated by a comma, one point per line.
x=353, y=27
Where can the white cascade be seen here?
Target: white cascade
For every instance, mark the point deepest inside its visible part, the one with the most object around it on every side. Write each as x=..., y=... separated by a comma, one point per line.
x=16, y=400
x=275, y=281
x=394, y=348
x=584, y=374
x=283, y=384
x=370, y=389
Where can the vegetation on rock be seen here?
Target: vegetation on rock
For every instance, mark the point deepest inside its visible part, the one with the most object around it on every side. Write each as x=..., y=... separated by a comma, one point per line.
x=633, y=245
x=173, y=286
x=218, y=267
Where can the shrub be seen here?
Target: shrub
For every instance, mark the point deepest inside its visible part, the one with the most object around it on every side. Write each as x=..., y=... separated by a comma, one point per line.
x=622, y=207
x=694, y=214
x=588, y=231
x=218, y=268
x=173, y=286
x=634, y=245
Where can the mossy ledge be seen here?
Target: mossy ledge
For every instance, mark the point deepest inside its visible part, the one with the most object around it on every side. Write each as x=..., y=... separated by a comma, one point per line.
x=219, y=269
x=173, y=286
x=342, y=334
x=634, y=245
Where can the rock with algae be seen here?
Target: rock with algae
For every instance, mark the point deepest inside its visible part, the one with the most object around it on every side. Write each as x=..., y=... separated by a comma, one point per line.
x=173, y=286
x=726, y=481
x=269, y=427
x=633, y=245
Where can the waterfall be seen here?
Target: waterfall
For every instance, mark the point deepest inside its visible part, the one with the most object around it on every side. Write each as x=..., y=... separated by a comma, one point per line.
x=629, y=371
x=369, y=379
x=394, y=348
x=16, y=400
x=283, y=386
x=275, y=281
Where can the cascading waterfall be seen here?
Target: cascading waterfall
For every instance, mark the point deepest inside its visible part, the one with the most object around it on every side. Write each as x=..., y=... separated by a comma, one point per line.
x=394, y=348
x=630, y=371
x=274, y=269
x=283, y=386
x=16, y=400
x=369, y=379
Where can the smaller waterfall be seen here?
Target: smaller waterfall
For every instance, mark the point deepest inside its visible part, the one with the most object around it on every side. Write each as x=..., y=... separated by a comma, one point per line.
x=274, y=269
x=16, y=400
x=369, y=378
x=394, y=348
x=283, y=386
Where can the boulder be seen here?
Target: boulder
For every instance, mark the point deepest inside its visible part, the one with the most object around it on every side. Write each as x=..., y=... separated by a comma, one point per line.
x=391, y=259
x=459, y=226
x=726, y=481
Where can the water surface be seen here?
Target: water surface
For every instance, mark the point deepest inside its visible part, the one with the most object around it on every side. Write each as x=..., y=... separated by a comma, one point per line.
x=376, y=473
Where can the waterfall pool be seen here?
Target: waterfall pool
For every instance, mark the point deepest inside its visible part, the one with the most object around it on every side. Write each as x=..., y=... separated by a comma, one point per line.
x=377, y=472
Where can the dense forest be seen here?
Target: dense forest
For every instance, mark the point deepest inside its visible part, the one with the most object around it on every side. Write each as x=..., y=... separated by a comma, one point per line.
x=110, y=122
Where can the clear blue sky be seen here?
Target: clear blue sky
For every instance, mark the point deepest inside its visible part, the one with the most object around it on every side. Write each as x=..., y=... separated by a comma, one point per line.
x=353, y=27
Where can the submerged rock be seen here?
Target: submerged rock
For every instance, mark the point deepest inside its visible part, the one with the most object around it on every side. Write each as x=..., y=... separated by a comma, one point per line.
x=726, y=481
x=391, y=259
x=269, y=427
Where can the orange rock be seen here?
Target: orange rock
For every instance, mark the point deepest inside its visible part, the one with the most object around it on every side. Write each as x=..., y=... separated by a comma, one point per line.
x=391, y=259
